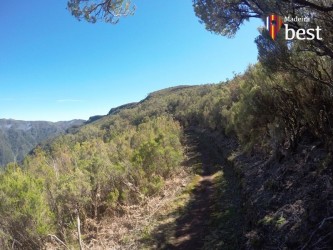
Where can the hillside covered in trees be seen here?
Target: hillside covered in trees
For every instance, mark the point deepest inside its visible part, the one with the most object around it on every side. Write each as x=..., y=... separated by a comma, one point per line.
x=283, y=163
x=241, y=164
x=17, y=138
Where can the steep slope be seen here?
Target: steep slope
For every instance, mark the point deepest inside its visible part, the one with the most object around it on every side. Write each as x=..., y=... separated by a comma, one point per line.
x=17, y=138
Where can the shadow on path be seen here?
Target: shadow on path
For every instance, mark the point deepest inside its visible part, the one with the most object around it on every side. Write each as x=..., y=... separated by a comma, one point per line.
x=194, y=224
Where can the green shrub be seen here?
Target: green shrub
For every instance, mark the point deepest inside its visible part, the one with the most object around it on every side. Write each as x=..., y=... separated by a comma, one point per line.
x=24, y=211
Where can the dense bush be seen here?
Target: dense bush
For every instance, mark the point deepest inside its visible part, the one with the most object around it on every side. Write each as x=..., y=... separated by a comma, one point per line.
x=91, y=171
x=26, y=217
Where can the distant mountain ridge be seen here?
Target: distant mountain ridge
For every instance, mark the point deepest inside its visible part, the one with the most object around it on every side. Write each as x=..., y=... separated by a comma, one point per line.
x=18, y=137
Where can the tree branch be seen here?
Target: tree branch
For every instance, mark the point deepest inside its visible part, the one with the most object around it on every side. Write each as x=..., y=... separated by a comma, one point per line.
x=57, y=239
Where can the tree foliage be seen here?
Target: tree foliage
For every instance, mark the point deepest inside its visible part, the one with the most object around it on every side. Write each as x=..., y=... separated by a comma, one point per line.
x=108, y=11
x=309, y=58
x=288, y=93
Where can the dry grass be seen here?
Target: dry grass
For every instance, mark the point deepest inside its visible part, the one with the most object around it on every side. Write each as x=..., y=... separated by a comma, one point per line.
x=132, y=223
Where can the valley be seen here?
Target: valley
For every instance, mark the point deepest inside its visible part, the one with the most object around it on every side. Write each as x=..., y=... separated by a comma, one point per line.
x=18, y=138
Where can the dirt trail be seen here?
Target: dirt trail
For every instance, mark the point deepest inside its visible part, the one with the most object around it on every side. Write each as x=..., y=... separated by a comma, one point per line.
x=198, y=221
x=192, y=227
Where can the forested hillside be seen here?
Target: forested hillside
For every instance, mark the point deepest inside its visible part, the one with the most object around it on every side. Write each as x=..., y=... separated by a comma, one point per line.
x=241, y=164
x=17, y=138
x=125, y=158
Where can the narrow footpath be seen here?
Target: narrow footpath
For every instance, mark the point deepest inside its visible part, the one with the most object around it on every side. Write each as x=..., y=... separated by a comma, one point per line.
x=212, y=219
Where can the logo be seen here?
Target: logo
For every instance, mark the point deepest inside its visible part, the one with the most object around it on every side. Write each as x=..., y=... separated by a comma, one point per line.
x=273, y=24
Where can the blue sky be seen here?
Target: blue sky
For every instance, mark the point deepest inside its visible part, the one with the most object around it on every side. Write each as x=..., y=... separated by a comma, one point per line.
x=53, y=67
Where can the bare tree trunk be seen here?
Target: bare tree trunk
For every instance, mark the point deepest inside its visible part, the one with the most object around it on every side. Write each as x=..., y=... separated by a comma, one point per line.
x=79, y=228
x=97, y=200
